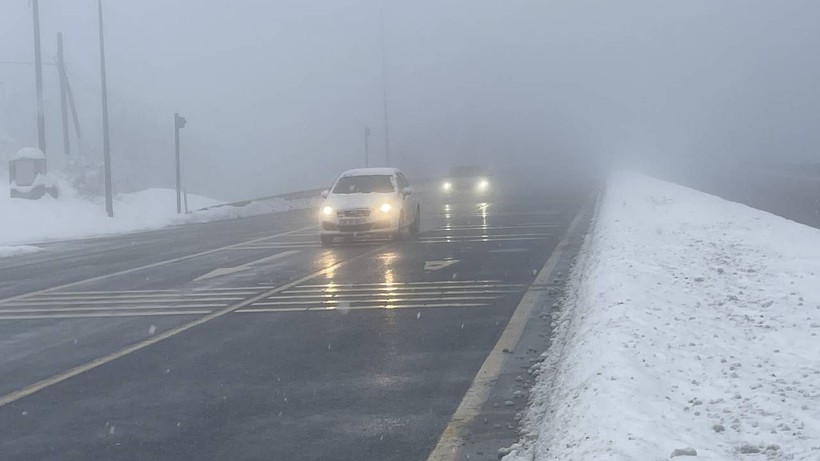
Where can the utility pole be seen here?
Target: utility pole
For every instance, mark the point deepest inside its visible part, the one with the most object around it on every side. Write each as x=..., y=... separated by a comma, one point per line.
x=384, y=92
x=63, y=103
x=366, y=147
x=38, y=77
x=109, y=199
x=74, y=116
x=179, y=123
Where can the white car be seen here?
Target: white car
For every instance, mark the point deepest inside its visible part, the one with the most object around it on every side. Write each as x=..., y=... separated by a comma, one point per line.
x=369, y=201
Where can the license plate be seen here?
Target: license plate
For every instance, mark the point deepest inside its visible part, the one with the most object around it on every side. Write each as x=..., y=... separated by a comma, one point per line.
x=352, y=221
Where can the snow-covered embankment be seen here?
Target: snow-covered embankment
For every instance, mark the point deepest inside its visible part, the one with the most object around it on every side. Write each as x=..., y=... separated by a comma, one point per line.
x=691, y=326
x=73, y=217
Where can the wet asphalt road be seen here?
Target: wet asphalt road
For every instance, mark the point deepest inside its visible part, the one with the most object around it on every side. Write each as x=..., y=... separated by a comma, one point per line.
x=351, y=352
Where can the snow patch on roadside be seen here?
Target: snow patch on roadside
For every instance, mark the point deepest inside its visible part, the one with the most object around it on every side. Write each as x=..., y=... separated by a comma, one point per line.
x=692, y=324
x=73, y=217
x=17, y=250
x=70, y=216
x=254, y=208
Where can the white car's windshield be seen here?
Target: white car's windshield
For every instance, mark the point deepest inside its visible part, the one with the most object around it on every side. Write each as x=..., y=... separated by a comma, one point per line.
x=364, y=184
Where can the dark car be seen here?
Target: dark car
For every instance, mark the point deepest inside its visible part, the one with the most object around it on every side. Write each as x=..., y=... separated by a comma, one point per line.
x=467, y=179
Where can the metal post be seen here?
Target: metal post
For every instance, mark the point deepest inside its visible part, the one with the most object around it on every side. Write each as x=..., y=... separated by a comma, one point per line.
x=38, y=73
x=179, y=122
x=63, y=103
x=384, y=93
x=109, y=199
x=176, y=156
x=366, y=147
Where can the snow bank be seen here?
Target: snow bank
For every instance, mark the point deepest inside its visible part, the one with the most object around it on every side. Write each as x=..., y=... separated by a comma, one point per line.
x=691, y=323
x=72, y=217
x=256, y=207
x=6, y=251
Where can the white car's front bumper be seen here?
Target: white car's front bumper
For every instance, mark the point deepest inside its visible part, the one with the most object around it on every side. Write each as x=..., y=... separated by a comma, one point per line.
x=375, y=224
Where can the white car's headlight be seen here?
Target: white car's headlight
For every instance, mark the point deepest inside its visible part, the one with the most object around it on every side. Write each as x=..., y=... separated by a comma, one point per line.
x=327, y=211
x=483, y=184
x=447, y=186
x=386, y=207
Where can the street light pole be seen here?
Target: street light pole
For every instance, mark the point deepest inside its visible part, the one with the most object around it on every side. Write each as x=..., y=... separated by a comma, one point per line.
x=38, y=77
x=384, y=92
x=63, y=95
x=179, y=122
x=109, y=199
x=366, y=147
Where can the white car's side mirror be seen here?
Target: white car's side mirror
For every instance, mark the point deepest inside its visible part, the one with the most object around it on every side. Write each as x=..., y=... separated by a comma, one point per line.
x=325, y=193
x=407, y=191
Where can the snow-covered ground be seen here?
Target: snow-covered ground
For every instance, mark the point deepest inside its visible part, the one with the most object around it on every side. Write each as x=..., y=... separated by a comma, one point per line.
x=691, y=325
x=26, y=222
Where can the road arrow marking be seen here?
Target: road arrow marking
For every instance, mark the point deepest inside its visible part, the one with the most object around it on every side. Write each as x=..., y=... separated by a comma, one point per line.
x=438, y=265
x=230, y=270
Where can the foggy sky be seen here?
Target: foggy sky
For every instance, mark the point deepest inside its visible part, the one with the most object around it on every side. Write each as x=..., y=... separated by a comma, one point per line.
x=277, y=93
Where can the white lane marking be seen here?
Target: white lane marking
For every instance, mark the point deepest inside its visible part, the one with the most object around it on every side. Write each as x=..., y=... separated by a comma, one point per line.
x=452, y=438
x=80, y=369
x=275, y=301
x=337, y=288
x=438, y=265
x=232, y=270
x=202, y=291
x=243, y=289
x=510, y=250
x=496, y=236
x=360, y=308
x=479, y=239
x=69, y=296
x=359, y=293
x=520, y=213
x=85, y=316
x=280, y=246
x=483, y=227
x=146, y=266
x=402, y=284
x=131, y=307
x=97, y=302
x=84, y=293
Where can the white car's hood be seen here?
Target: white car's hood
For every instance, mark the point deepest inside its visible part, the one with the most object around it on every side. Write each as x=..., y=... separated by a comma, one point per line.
x=348, y=201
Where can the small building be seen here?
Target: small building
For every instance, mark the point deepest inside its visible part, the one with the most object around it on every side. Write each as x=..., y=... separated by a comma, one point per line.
x=28, y=177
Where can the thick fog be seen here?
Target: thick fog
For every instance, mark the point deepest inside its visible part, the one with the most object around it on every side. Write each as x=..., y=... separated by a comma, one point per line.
x=277, y=94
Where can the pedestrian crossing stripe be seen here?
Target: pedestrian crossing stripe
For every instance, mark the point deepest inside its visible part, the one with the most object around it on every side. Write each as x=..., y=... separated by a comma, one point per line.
x=308, y=297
